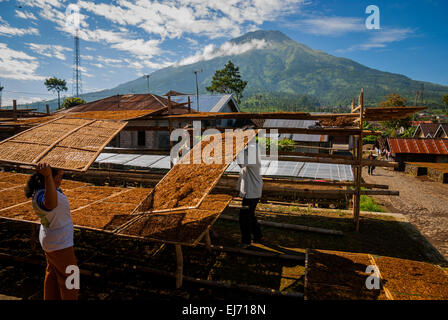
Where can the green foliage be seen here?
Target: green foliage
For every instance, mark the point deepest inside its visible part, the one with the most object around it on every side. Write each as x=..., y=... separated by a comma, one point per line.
x=286, y=145
x=228, y=80
x=71, y=102
x=282, y=145
x=369, y=139
x=409, y=132
x=56, y=85
x=445, y=101
x=368, y=204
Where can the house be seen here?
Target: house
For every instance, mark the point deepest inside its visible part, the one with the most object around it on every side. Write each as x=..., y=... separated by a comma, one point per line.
x=210, y=103
x=426, y=130
x=133, y=137
x=442, y=131
x=418, y=150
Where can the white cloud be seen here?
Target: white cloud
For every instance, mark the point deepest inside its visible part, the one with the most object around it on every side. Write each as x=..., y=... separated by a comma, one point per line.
x=25, y=15
x=331, y=25
x=49, y=50
x=226, y=49
x=213, y=18
x=168, y=19
x=381, y=38
x=7, y=30
x=17, y=65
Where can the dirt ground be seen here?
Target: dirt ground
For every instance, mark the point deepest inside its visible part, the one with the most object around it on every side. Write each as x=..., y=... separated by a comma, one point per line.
x=423, y=201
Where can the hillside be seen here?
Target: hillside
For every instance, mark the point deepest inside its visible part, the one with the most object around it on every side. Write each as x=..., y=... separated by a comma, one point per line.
x=285, y=66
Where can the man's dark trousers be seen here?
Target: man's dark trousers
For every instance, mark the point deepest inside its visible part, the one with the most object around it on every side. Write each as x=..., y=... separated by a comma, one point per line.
x=248, y=222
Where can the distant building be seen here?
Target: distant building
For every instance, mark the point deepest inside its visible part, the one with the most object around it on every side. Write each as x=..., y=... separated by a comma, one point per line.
x=418, y=150
x=442, y=131
x=210, y=103
x=132, y=137
x=426, y=130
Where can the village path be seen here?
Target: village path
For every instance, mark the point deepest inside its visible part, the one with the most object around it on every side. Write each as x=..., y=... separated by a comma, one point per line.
x=423, y=201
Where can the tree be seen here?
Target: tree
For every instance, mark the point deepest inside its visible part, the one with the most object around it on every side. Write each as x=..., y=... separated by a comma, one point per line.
x=395, y=100
x=71, y=102
x=445, y=101
x=228, y=80
x=56, y=85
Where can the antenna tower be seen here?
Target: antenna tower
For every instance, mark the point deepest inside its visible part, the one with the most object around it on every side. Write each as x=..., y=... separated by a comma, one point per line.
x=77, y=83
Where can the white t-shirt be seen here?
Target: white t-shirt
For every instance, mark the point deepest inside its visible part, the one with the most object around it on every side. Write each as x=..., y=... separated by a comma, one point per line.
x=250, y=182
x=56, y=230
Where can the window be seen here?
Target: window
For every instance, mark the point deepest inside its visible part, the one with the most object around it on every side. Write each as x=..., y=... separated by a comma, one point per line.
x=141, y=138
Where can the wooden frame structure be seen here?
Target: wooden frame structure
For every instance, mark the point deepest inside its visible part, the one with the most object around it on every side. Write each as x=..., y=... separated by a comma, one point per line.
x=357, y=116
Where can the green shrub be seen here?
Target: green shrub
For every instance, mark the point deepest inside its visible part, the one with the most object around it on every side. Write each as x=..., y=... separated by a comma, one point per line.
x=368, y=204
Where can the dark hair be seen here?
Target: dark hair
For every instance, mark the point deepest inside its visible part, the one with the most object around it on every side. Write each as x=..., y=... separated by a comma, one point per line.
x=37, y=182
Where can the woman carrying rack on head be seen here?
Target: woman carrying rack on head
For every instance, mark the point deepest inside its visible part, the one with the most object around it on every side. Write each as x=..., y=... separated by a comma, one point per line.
x=56, y=231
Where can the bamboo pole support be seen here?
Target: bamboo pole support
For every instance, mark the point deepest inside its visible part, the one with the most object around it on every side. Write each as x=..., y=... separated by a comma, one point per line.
x=257, y=253
x=288, y=226
x=208, y=241
x=48, y=109
x=358, y=178
x=180, y=266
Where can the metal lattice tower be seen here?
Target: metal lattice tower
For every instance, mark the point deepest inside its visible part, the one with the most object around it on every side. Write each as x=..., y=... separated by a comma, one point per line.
x=77, y=83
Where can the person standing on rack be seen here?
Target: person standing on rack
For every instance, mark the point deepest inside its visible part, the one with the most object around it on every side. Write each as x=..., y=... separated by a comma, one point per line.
x=56, y=232
x=250, y=186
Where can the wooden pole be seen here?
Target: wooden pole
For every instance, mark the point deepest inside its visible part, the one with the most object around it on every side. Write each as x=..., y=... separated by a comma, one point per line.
x=288, y=226
x=358, y=178
x=208, y=241
x=170, y=126
x=180, y=266
x=189, y=105
x=48, y=109
x=14, y=110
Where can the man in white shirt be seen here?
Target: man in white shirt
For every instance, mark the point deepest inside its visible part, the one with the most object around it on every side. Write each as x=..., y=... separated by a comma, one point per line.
x=250, y=185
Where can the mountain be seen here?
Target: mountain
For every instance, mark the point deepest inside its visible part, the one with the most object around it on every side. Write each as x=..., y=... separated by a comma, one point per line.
x=284, y=68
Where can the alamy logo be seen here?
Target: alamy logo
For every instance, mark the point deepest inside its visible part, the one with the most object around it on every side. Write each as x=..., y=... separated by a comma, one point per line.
x=72, y=281
x=373, y=281
x=373, y=21
x=72, y=17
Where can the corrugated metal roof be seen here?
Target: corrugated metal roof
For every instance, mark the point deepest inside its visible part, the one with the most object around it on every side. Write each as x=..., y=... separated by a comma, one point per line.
x=286, y=123
x=123, y=102
x=327, y=171
x=418, y=146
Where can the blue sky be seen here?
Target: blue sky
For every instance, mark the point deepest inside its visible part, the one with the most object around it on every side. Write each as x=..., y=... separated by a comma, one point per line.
x=122, y=40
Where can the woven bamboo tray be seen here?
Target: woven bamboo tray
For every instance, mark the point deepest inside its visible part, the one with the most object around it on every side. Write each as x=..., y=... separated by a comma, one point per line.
x=65, y=143
x=187, y=179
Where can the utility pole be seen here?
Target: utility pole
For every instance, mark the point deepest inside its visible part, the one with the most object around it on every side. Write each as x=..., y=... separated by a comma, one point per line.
x=423, y=89
x=1, y=90
x=197, y=88
x=147, y=82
